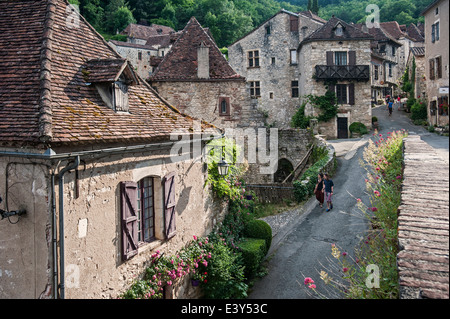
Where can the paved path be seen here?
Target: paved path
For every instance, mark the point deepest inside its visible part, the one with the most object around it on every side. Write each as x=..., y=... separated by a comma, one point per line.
x=423, y=223
x=304, y=236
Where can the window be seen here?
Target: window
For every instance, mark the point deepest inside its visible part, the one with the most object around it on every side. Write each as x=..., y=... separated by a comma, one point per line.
x=438, y=67
x=293, y=23
x=393, y=51
x=139, y=215
x=293, y=56
x=271, y=95
x=139, y=55
x=224, y=106
x=436, y=11
x=375, y=72
x=390, y=69
x=432, y=73
x=340, y=58
x=294, y=88
x=437, y=30
x=268, y=29
x=253, y=59
x=341, y=93
x=339, y=30
x=273, y=60
x=145, y=210
x=255, y=90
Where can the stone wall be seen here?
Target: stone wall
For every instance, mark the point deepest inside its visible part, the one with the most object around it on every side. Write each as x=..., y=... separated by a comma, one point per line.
x=142, y=66
x=92, y=223
x=314, y=52
x=275, y=72
x=201, y=100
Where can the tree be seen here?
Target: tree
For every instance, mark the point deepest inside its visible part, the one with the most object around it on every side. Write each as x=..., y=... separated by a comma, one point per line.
x=315, y=6
x=122, y=17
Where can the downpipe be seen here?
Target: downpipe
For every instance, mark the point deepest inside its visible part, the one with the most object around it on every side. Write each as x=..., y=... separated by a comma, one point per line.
x=61, y=224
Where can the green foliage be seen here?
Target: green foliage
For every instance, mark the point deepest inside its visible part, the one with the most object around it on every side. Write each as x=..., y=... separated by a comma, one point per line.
x=253, y=251
x=419, y=110
x=358, y=127
x=374, y=119
x=299, y=120
x=326, y=103
x=258, y=228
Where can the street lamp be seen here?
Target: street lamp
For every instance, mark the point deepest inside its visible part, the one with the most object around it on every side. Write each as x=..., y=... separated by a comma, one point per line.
x=223, y=166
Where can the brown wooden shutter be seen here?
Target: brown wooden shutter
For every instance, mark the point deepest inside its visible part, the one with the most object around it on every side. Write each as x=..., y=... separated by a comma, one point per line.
x=128, y=196
x=352, y=57
x=351, y=94
x=169, y=205
x=330, y=58
x=332, y=88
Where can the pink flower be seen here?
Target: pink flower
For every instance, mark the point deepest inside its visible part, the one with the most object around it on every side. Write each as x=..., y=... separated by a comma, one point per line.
x=312, y=286
x=399, y=177
x=345, y=269
x=374, y=209
x=377, y=193
x=195, y=237
x=344, y=254
x=308, y=280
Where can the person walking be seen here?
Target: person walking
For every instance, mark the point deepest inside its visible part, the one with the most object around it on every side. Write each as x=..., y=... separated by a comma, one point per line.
x=328, y=191
x=390, y=105
x=318, y=190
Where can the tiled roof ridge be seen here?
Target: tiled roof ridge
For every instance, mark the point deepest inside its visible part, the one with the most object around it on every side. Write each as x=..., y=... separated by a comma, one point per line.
x=45, y=101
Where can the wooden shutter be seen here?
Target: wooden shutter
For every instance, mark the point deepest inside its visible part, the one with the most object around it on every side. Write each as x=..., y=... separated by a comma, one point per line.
x=330, y=58
x=121, y=97
x=169, y=205
x=351, y=94
x=128, y=192
x=352, y=57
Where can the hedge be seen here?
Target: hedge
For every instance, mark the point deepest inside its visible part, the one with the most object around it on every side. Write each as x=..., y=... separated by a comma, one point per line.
x=258, y=228
x=253, y=252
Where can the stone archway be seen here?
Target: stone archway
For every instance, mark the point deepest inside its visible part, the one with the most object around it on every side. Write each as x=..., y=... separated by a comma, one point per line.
x=285, y=167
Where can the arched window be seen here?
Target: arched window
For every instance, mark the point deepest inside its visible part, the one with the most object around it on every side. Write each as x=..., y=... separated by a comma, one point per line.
x=224, y=106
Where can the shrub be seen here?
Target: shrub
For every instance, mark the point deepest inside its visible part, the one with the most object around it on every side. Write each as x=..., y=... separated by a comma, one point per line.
x=299, y=120
x=418, y=111
x=358, y=127
x=258, y=228
x=374, y=119
x=253, y=252
x=305, y=186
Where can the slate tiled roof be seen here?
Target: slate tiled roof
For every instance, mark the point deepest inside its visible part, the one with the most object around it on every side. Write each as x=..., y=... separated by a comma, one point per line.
x=327, y=32
x=180, y=64
x=103, y=70
x=379, y=34
x=44, y=93
x=313, y=16
x=144, y=32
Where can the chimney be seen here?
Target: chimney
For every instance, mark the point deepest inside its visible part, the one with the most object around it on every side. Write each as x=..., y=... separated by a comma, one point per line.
x=203, y=61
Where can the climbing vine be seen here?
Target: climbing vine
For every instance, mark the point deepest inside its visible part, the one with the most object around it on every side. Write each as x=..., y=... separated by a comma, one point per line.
x=326, y=103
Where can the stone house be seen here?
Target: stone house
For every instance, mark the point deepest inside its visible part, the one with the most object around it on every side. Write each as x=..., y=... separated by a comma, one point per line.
x=337, y=57
x=268, y=58
x=417, y=55
x=386, y=69
x=437, y=61
x=139, y=34
x=196, y=78
x=86, y=151
x=145, y=54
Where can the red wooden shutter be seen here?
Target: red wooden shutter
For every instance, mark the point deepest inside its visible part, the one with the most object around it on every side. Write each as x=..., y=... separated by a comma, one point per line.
x=330, y=58
x=351, y=94
x=169, y=205
x=352, y=57
x=128, y=196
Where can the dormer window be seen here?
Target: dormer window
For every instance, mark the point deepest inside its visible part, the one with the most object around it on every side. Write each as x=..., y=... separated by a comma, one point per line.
x=112, y=78
x=339, y=31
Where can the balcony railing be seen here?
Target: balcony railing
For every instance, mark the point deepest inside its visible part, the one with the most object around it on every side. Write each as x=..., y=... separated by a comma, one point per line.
x=342, y=72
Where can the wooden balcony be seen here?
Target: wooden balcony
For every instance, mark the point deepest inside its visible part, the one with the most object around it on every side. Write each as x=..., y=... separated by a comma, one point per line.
x=342, y=72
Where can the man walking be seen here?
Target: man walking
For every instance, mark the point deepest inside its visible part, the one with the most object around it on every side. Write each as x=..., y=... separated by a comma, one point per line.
x=390, y=105
x=328, y=190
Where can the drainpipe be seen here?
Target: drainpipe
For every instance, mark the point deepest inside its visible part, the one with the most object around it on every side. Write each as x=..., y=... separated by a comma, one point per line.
x=61, y=223
x=54, y=242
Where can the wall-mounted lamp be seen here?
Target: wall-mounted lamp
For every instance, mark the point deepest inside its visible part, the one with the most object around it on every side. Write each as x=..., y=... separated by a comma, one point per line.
x=223, y=166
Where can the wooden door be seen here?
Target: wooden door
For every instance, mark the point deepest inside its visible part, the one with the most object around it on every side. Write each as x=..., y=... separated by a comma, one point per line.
x=342, y=127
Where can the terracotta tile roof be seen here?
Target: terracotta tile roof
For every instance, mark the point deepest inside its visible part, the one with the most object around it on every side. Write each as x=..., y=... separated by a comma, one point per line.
x=103, y=70
x=131, y=45
x=379, y=34
x=164, y=41
x=313, y=16
x=393, y=28
x=45, y=96
x=327, y=32
x=414, y=32
x=180, y=64
x=144, y=32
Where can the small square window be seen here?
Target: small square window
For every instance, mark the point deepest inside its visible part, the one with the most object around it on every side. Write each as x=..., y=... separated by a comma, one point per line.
x=294, y=88
x=255, y=89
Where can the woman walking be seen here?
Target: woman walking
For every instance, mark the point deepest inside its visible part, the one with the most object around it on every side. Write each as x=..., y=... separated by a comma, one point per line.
x=318, y=189
x=328, y=191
